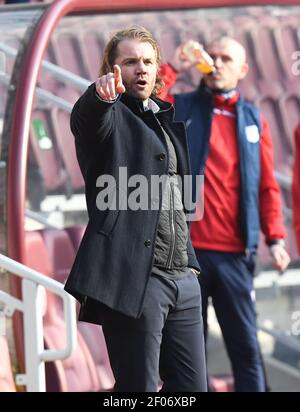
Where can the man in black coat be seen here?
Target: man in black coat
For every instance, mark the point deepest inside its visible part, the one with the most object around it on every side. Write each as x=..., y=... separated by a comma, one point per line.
x=135, y=272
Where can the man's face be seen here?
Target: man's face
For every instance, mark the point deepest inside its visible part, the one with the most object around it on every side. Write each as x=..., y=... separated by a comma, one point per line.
x=229, y=59
x=138, y=67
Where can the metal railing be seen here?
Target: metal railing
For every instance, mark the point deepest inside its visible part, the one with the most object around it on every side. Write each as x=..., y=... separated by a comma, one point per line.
x=43, y=95
x=39, y=218
x=58, y=72
x=288, y=341
x=31, y=306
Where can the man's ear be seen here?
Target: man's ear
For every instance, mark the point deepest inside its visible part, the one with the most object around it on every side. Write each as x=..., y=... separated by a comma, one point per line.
x=244, y=71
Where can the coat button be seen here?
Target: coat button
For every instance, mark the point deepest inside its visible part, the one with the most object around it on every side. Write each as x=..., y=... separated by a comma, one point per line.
x=147, y=243
x=161, y=156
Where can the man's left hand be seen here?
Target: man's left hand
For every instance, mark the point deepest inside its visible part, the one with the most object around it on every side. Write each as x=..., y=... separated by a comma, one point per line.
x=280, y=257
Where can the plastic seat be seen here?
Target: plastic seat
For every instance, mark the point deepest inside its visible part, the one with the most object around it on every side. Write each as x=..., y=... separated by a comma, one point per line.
x=61, y=250
x=67, y=51
x=248, y=90
x=248, y=86
x=221, y=27
x=65, y=139
x=46, y=80
x=286, y=45
x=93, y=334
x=94, y=338
x=91, y=46
x=270, y=89
x=169, y=40
x=78, y=372
x=266, y=54
x=221, y=383
x=7, y=383
x=76, y=233
x=45, y=152
x=269, y=107
x=290, y=111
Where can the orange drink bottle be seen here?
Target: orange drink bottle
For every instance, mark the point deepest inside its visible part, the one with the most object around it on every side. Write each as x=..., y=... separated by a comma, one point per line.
x=195, y=53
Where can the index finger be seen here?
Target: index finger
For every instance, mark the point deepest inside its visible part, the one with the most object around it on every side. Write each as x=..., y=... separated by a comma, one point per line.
x=117, y=74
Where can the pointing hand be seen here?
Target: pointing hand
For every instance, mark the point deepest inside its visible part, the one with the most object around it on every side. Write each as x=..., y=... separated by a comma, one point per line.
x=108, y=85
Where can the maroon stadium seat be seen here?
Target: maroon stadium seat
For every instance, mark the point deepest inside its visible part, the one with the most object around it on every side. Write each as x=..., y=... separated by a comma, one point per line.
x=264, y=48
x=93, y=334
x=91, y=47
x=65, y=141
x=270, y=108
x=78, y=372
x=7, y=383
x=66, y=49
x=75, y=233
x=45, y=151
x=46, y=80
x=290, y=110
x=286, y=45
x=61, y=250
x=94, y=338
x=221, y=383
x=60, y=121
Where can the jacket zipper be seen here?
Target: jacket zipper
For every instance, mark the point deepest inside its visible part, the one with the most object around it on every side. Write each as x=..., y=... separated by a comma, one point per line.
x=172, y=228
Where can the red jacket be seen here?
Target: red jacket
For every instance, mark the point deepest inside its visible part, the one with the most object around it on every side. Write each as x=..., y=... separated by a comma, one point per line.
x=219, y=229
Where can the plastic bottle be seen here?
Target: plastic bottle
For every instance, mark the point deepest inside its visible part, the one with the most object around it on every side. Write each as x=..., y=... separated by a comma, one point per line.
x=195, y=53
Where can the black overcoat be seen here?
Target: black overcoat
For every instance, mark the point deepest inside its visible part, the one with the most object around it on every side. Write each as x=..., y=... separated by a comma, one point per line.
x=115, y=258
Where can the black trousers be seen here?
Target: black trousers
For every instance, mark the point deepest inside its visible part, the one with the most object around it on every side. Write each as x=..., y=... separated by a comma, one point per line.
x=166, y=343
x=228, y=279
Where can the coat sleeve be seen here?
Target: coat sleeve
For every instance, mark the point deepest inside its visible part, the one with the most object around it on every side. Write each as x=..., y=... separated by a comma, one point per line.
x=168, y=75
x=296, y=188
x=91, y=117
x=269, y=193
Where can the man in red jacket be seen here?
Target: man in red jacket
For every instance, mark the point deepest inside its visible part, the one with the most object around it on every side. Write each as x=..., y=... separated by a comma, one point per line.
x=296, y=188
x=230, y=142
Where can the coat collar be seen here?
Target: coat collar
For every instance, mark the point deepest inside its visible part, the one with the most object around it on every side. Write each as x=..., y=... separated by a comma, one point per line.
x=136, y=105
